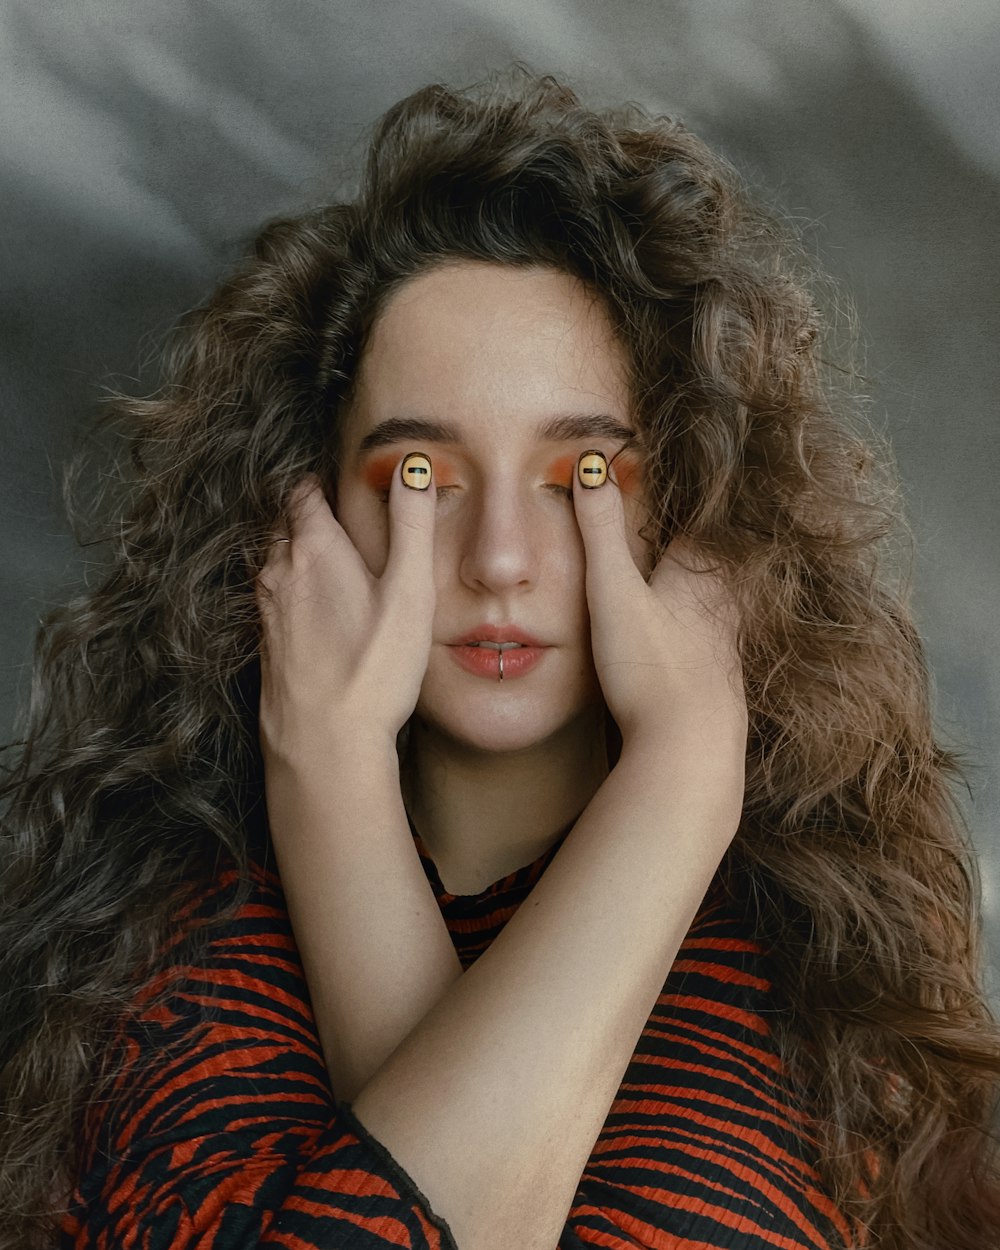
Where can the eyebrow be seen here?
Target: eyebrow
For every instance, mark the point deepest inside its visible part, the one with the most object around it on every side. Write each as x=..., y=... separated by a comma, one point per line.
x=564, y=428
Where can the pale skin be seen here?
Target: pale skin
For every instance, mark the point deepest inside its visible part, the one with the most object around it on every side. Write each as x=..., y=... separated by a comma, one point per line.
x=490, y=1087
x=497, y=770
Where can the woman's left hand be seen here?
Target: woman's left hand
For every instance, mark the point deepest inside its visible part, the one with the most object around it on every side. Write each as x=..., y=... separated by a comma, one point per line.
x=665, y=649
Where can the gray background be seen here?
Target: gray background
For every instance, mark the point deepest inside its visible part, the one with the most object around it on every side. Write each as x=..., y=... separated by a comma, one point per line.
x=141, y=141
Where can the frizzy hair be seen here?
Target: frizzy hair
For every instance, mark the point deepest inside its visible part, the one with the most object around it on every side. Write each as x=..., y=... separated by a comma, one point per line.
x=138, y=773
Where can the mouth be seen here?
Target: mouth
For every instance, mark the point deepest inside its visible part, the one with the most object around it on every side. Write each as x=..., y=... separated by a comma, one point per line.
x=497, y=638
x=497, y=660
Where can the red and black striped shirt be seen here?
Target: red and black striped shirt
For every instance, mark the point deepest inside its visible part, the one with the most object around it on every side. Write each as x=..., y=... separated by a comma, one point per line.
x=224, y=1134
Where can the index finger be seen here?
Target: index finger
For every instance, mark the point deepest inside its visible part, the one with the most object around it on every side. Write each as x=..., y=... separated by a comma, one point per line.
x=305, y=505
x=311, y=527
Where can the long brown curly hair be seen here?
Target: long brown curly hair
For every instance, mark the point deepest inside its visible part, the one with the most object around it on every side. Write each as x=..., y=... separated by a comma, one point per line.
x=136, y=773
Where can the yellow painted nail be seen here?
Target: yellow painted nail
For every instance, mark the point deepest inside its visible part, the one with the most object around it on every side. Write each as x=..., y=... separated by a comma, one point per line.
x=416, y=470
x=592, y=468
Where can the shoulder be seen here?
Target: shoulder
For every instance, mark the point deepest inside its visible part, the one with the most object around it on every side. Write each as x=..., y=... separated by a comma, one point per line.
x=234, y=936
x=724, y=968
x=220, y=1123
x=225, y=1024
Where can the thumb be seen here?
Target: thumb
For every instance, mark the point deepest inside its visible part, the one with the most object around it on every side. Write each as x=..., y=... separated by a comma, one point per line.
x=600, y=514
x=409, y=568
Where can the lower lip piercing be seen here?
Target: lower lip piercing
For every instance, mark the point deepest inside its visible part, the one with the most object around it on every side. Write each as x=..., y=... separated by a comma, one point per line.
x=500, y=648
x=498, y=660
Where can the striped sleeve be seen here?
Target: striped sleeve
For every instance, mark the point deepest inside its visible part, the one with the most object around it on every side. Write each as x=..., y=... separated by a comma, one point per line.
x=707, y=1145
x=223, y=1132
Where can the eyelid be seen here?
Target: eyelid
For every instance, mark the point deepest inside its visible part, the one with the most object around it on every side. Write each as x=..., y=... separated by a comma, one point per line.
x=564, y=466
x=565, y=491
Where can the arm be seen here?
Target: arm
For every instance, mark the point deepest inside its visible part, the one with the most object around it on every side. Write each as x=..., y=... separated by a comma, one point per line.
x=220, y=1131
x=374, y=945
x=342, y=646
x=494, y=1100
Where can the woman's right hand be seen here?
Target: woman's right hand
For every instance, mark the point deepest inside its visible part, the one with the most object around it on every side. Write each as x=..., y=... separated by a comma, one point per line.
x=343, y=649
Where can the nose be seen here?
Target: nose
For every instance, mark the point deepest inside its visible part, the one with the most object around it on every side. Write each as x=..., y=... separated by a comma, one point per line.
x=504, y=532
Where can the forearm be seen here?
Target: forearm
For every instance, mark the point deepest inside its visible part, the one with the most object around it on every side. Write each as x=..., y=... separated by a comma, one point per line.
x=374, y=945
x=494, y=1101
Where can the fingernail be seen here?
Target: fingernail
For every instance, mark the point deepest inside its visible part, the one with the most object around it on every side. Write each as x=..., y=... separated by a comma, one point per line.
x=416, y=470
x=592, y=468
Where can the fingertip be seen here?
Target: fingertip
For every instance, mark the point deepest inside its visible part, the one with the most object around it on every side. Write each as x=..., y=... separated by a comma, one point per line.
x=592, y=469
x=592, y=497
x=416, y=472
x=413, y=478
x=411, y=522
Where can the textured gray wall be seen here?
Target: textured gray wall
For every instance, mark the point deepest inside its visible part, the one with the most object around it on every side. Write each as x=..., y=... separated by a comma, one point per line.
x=141, y=141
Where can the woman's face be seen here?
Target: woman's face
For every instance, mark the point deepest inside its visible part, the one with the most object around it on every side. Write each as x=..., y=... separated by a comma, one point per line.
x=494, y=354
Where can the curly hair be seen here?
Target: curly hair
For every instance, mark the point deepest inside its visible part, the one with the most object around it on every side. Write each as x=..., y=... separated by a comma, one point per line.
x=136, y=772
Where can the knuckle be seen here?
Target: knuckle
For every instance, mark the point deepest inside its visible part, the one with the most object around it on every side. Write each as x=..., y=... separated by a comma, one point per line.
x=414, y=524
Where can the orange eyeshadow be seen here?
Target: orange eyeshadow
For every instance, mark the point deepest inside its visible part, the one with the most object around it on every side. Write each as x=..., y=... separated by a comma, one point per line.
x=379, y=470
x=628, y=471
x=562, y=470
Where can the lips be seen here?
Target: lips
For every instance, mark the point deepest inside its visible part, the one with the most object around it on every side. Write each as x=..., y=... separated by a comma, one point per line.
x=496, y=633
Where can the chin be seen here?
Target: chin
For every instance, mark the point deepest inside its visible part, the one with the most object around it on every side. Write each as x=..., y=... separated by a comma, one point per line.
x=516, y=719
x=493, y=729
x=515, y=715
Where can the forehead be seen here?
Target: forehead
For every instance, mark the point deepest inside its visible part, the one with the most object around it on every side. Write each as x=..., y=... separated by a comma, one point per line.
x=469, y=342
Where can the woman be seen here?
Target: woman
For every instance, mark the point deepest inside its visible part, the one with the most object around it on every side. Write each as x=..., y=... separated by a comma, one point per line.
x=491, y=799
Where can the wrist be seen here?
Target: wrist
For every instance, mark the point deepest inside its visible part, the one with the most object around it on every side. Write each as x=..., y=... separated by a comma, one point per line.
x=321, y=790
x=701, y=800
x=306, y=748
x=708, y=729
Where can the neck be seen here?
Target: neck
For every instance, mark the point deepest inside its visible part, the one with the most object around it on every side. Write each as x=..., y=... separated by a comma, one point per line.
x=484, y=814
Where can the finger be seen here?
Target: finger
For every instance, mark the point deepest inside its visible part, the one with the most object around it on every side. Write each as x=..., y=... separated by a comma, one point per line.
x=307, y=508
x=412, y=498
x=277, y=557
x=302, y=503
x=600, y=513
